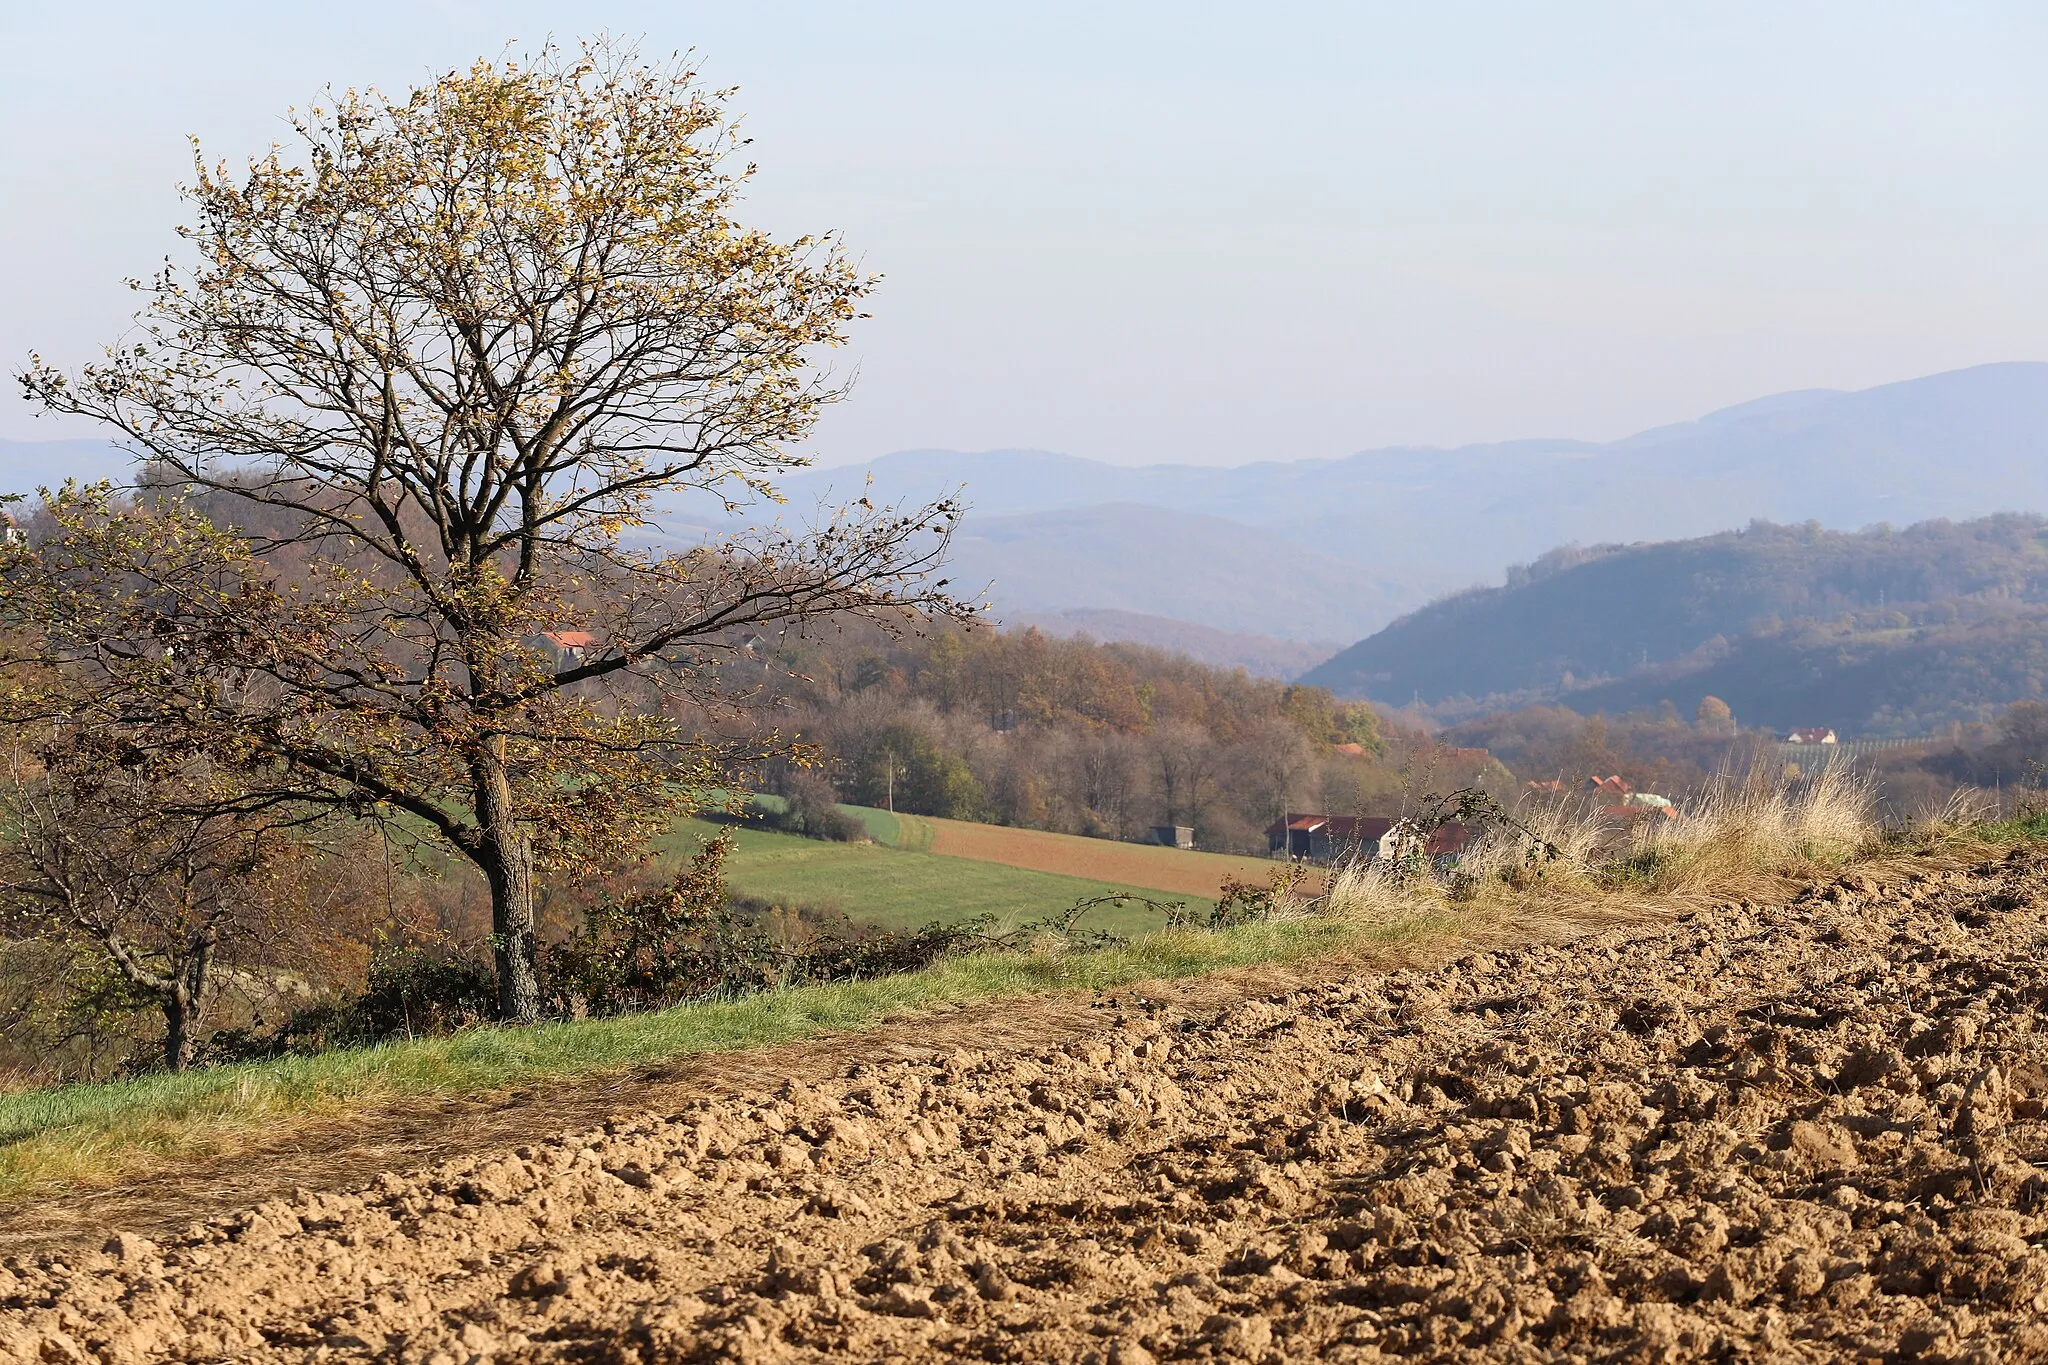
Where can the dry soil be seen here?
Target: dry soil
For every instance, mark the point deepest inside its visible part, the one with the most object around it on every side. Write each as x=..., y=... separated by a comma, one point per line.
x=1801, y=1132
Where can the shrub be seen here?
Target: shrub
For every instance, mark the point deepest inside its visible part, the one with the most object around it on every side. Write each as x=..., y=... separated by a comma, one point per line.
x=689, y=941
x=810, y=808
x=414, y=991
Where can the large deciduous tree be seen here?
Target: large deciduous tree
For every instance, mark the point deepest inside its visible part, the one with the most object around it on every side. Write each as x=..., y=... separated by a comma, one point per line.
x=411, y=411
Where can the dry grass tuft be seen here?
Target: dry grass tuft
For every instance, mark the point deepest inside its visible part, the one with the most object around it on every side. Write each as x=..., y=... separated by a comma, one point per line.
x=1966, y=809
x=1558, y=842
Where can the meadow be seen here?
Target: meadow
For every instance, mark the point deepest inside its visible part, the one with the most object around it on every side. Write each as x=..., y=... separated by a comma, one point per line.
x=898, y=888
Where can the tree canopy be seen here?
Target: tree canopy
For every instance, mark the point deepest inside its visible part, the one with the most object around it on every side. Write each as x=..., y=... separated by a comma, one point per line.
x=412, y=413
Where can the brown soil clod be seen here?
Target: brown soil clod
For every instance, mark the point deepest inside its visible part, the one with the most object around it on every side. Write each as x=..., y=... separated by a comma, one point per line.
x=1796, y=1133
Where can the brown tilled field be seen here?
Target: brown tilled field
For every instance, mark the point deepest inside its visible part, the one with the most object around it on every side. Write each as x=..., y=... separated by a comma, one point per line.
x=1180, y=872
x=1799, y=1132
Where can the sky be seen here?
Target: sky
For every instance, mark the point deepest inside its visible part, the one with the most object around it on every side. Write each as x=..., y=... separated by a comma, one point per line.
x=1203, y=232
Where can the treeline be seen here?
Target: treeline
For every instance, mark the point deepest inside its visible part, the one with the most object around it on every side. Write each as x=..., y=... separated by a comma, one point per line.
x=1074, y=735
x=1873, y=674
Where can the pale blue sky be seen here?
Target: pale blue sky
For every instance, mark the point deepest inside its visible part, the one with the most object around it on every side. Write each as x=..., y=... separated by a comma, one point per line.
x=1210, y=232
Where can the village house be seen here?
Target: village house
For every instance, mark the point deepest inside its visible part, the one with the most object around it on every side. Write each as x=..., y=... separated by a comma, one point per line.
x=1818, y=734
x=1333, y=838
x=567, y=648
x=1614, y=796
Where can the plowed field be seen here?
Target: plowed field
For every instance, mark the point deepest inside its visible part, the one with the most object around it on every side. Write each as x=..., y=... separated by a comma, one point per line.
x=1802, y=1132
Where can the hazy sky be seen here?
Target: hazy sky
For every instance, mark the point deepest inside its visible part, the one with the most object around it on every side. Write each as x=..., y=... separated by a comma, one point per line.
x=1208, y=232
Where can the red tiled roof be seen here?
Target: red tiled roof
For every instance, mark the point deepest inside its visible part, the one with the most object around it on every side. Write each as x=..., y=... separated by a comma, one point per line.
x=1344, y=827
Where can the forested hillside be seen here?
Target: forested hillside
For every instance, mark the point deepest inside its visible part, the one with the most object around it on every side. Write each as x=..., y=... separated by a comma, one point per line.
x=1880, y=632
x=1024, y=729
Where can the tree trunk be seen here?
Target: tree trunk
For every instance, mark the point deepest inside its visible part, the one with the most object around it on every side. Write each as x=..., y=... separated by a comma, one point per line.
x=506, y=856
x=185, y=1001
x=177, y=1028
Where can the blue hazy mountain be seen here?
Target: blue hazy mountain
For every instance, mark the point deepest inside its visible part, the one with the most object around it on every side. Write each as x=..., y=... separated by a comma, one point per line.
x=1420, y=521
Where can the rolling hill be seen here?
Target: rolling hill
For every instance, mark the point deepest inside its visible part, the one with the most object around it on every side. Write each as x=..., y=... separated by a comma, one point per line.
x=1179, y=565
x=1262, y=656
x=1874, y=632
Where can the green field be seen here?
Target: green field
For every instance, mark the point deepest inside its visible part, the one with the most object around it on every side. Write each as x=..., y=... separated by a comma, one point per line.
x=894, y=888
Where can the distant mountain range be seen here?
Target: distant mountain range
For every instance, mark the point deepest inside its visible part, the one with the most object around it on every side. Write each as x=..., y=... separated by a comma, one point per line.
x=1315, y=550
x=1415, y=523
x=1187, y=566
x=1872, y=633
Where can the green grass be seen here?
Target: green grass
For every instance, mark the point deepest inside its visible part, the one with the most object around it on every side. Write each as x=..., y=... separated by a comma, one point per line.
x=2014, y=829
x=894, y=888
x=105, y=1132
x=896, y=831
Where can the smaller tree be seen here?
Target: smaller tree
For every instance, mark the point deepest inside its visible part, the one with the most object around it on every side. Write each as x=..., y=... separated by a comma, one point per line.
x=1714, y=715
x=163, y=875
x=2024, y=728
x=812, y=806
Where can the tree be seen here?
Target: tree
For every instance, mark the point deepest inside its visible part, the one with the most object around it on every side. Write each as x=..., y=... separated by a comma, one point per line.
x=1106, y=772
x=1714, y=715
x=2024, y=729
x=1187, y=759
x=1268, y=767
x=162, y=874
x=405, y=407
x=904, y=767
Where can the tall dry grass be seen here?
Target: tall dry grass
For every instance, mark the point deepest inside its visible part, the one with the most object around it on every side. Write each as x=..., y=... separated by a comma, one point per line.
x=1557, y=841
x=1736, y=838
x=1761, y=825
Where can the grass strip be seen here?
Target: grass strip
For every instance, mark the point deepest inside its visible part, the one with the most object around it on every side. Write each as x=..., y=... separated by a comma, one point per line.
x=106, y=1132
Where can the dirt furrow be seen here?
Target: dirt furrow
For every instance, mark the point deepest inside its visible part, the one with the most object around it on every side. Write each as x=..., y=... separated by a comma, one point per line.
x=1799, y=1132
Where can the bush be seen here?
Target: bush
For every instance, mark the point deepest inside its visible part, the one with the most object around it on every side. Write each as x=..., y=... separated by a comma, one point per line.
x=690, y=942
x=811, y=808
x=414, y=991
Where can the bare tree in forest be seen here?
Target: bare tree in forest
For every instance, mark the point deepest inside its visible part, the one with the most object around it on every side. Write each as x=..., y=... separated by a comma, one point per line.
x=435, y=371
x=1188, y=760
x=1106, y=771
x=1268, y=767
